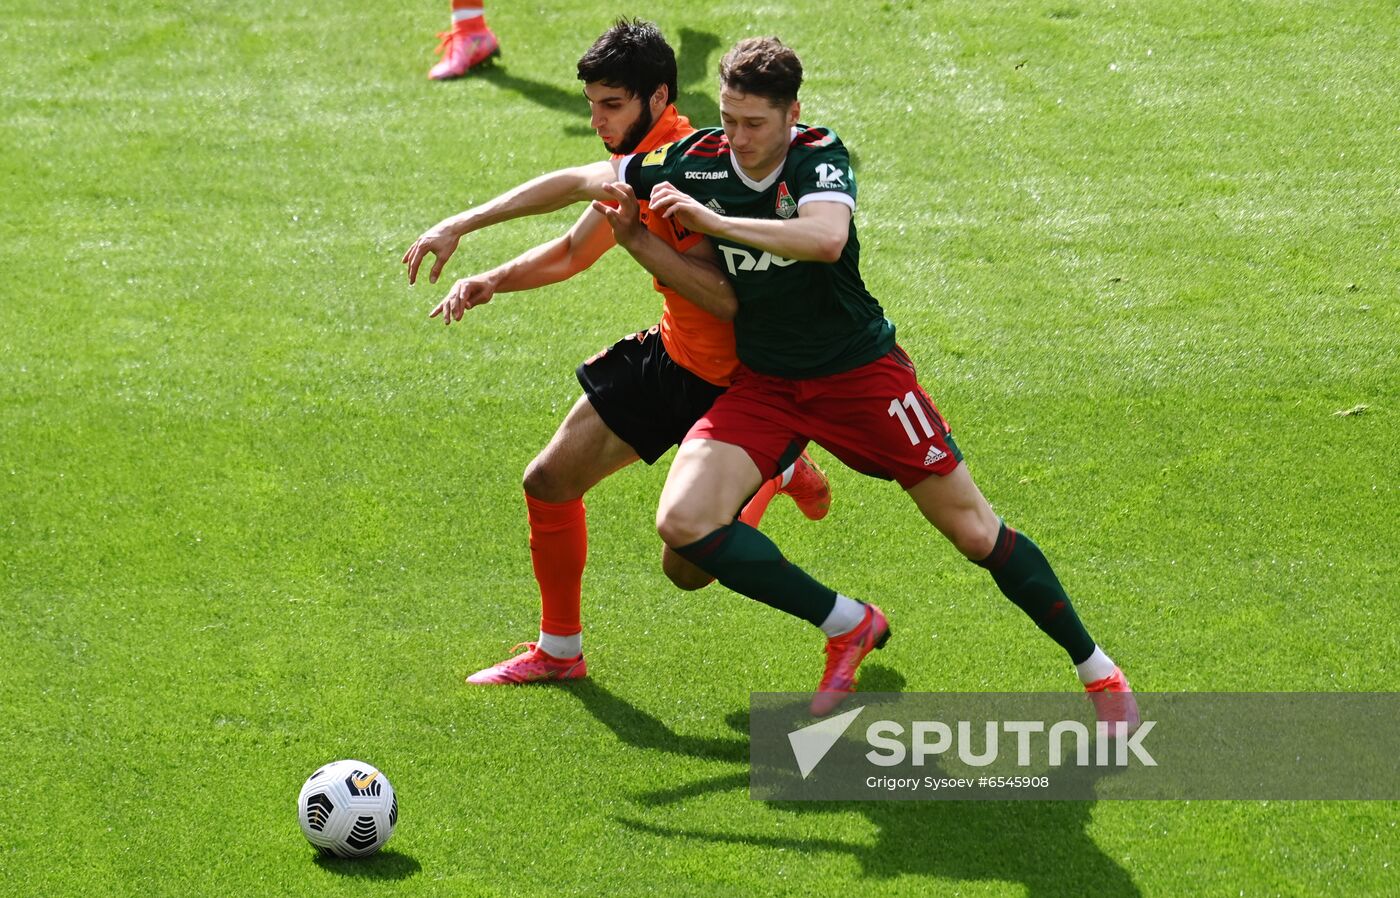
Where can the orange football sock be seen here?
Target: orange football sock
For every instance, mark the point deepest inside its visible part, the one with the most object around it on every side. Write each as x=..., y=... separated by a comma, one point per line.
x=752, y=513
x=468, y=14
x=558, y=551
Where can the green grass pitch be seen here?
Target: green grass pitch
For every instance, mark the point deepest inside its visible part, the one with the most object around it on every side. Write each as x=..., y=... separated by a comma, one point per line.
x=257, y=512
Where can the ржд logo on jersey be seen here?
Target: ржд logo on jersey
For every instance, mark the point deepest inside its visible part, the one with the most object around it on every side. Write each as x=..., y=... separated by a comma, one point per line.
x=830, y=177
x=737, y=260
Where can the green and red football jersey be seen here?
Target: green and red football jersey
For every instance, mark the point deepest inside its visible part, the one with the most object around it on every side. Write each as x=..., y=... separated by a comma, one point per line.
x=796, y=319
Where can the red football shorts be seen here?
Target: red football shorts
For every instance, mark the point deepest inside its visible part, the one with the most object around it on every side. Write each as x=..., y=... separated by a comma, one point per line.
x=876, y=419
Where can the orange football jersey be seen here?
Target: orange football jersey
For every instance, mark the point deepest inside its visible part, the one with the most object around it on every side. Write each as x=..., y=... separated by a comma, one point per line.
x=696, y=339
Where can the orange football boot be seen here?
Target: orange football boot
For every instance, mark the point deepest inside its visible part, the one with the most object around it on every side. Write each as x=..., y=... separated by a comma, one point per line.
x=843, y=655
x=1113, y=702
x=809, y=488
x=462, y=49
x=534, y=665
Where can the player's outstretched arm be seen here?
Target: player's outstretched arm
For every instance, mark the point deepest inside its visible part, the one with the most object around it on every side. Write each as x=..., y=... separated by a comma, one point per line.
x=559, y=259
x=548, y=263
x=536, y=197
x=817, y=234
x=695, y=275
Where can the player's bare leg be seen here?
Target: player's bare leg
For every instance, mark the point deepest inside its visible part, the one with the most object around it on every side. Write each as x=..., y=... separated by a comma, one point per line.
x=682, y=573
x=582, y=453
x=955, y=506
x=707, y=483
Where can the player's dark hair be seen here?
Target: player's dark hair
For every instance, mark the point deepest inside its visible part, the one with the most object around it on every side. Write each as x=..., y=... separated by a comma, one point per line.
x=764, y=66
x=634, y=56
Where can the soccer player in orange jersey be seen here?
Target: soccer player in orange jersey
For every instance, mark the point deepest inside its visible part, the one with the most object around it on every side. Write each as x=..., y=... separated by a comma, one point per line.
x=467, y=44
x=641, y=395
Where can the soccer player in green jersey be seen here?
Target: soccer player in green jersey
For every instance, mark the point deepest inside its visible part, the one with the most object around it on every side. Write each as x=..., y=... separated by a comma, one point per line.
x=819, y=363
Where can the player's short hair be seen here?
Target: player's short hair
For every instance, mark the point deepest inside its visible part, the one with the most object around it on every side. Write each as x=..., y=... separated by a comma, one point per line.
x=632, y=55
x=764, y=66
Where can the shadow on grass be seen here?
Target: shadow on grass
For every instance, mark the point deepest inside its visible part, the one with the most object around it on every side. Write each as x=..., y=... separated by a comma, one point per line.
x=1043, y=845
x=634, y=727
x=695, y=78
x=550, y=96
x=386, y=864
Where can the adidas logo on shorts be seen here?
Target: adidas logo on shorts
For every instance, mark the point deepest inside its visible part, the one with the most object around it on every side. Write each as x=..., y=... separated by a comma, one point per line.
x=934, y=455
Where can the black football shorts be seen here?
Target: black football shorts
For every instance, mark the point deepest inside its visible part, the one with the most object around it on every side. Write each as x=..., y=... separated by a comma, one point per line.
x=643, y=395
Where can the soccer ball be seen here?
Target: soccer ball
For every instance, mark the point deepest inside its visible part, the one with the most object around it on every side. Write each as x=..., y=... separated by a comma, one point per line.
x=348, y=809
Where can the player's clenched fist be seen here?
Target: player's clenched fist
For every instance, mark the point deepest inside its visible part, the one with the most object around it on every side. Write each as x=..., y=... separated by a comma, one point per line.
x=465, y=294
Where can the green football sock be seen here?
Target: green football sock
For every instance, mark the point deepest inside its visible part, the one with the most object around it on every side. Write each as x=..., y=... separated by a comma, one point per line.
x=749, y=563
x=1022, y=573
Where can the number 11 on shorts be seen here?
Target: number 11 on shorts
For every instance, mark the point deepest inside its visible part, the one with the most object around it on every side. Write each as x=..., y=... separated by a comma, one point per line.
x=911, y=403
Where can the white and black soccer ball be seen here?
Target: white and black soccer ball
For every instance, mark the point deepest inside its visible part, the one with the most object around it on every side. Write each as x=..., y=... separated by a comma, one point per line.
x=348, y=809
